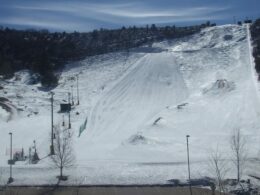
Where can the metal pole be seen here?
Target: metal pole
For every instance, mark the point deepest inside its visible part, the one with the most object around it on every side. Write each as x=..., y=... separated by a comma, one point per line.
x=68, y=97
x=34, y=143
x=188, y=156
x=63, y=122
x=69, y=121
x=30, y=155
x=52, y=147
x=11, y=153
x=10, y=180
x=72, y=99
x=69, y=110
x=77, y=88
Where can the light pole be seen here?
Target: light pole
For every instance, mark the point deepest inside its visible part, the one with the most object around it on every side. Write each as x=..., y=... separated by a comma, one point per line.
x=77, y=76
x=188, y=156
x=52, y=147
x=10, y=180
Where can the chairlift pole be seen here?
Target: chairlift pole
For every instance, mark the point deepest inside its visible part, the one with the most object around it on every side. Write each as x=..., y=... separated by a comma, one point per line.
x=34, y=145
x=188, y=156
x=72, y=99
x=52, y=147
x=77, y=76
x=69, y=121
x=63, y=122
x=10, y=180
x=30, y=155
x=69, y=110
x=68, y=97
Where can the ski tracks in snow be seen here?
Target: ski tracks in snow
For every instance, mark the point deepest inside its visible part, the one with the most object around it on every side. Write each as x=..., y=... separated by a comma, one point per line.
x=154, y=83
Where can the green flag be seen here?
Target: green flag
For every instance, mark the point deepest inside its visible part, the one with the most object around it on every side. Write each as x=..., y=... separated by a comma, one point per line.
x=83, y=126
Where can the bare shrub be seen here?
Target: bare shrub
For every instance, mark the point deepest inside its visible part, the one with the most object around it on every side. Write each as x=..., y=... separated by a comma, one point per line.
x=64, y=155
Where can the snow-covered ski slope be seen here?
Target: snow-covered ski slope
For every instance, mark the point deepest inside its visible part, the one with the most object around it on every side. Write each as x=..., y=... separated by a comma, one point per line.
x=141, y=105
x=208, y=75
x=154, y=83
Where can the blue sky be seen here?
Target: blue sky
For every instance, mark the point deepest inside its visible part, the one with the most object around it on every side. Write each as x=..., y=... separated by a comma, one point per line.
x=86, y=15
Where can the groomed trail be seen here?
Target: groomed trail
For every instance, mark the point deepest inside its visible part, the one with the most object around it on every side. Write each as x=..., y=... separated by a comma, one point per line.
x=140, y=106
x=153, y=84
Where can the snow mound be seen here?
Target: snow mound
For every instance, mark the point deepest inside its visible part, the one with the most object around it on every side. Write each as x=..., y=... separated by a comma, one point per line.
x=137, y=139
x=140, y=139
x=220, y=86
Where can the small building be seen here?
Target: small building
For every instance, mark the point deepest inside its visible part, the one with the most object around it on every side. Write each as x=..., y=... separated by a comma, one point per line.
x=65, y=107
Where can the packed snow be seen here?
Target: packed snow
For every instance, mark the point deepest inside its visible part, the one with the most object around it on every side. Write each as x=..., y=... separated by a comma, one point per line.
x=139, y=107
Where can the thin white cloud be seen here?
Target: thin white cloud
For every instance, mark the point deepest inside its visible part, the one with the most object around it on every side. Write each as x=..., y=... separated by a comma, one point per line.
x=40, y=14
x=130, y=10
x=180, y=12
x=72, y=6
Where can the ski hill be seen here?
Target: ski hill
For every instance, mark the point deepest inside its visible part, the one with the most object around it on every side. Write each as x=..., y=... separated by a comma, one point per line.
x=138, y=107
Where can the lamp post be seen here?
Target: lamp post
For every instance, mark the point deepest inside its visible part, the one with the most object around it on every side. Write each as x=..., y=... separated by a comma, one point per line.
x=188, y=156
x=10, y=180
x=52, y=147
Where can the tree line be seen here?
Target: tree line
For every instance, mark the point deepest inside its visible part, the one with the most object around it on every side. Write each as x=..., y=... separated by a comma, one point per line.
x=43, y=52
x=255, y=32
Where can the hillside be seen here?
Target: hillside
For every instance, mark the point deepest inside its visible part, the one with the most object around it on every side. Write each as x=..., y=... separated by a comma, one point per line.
x=139, y=106
x=46, y=53
x=255, y=31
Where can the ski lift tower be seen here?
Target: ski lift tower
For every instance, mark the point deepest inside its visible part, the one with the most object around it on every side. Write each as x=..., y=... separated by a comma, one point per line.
x=77, y=76
x=52, y=134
